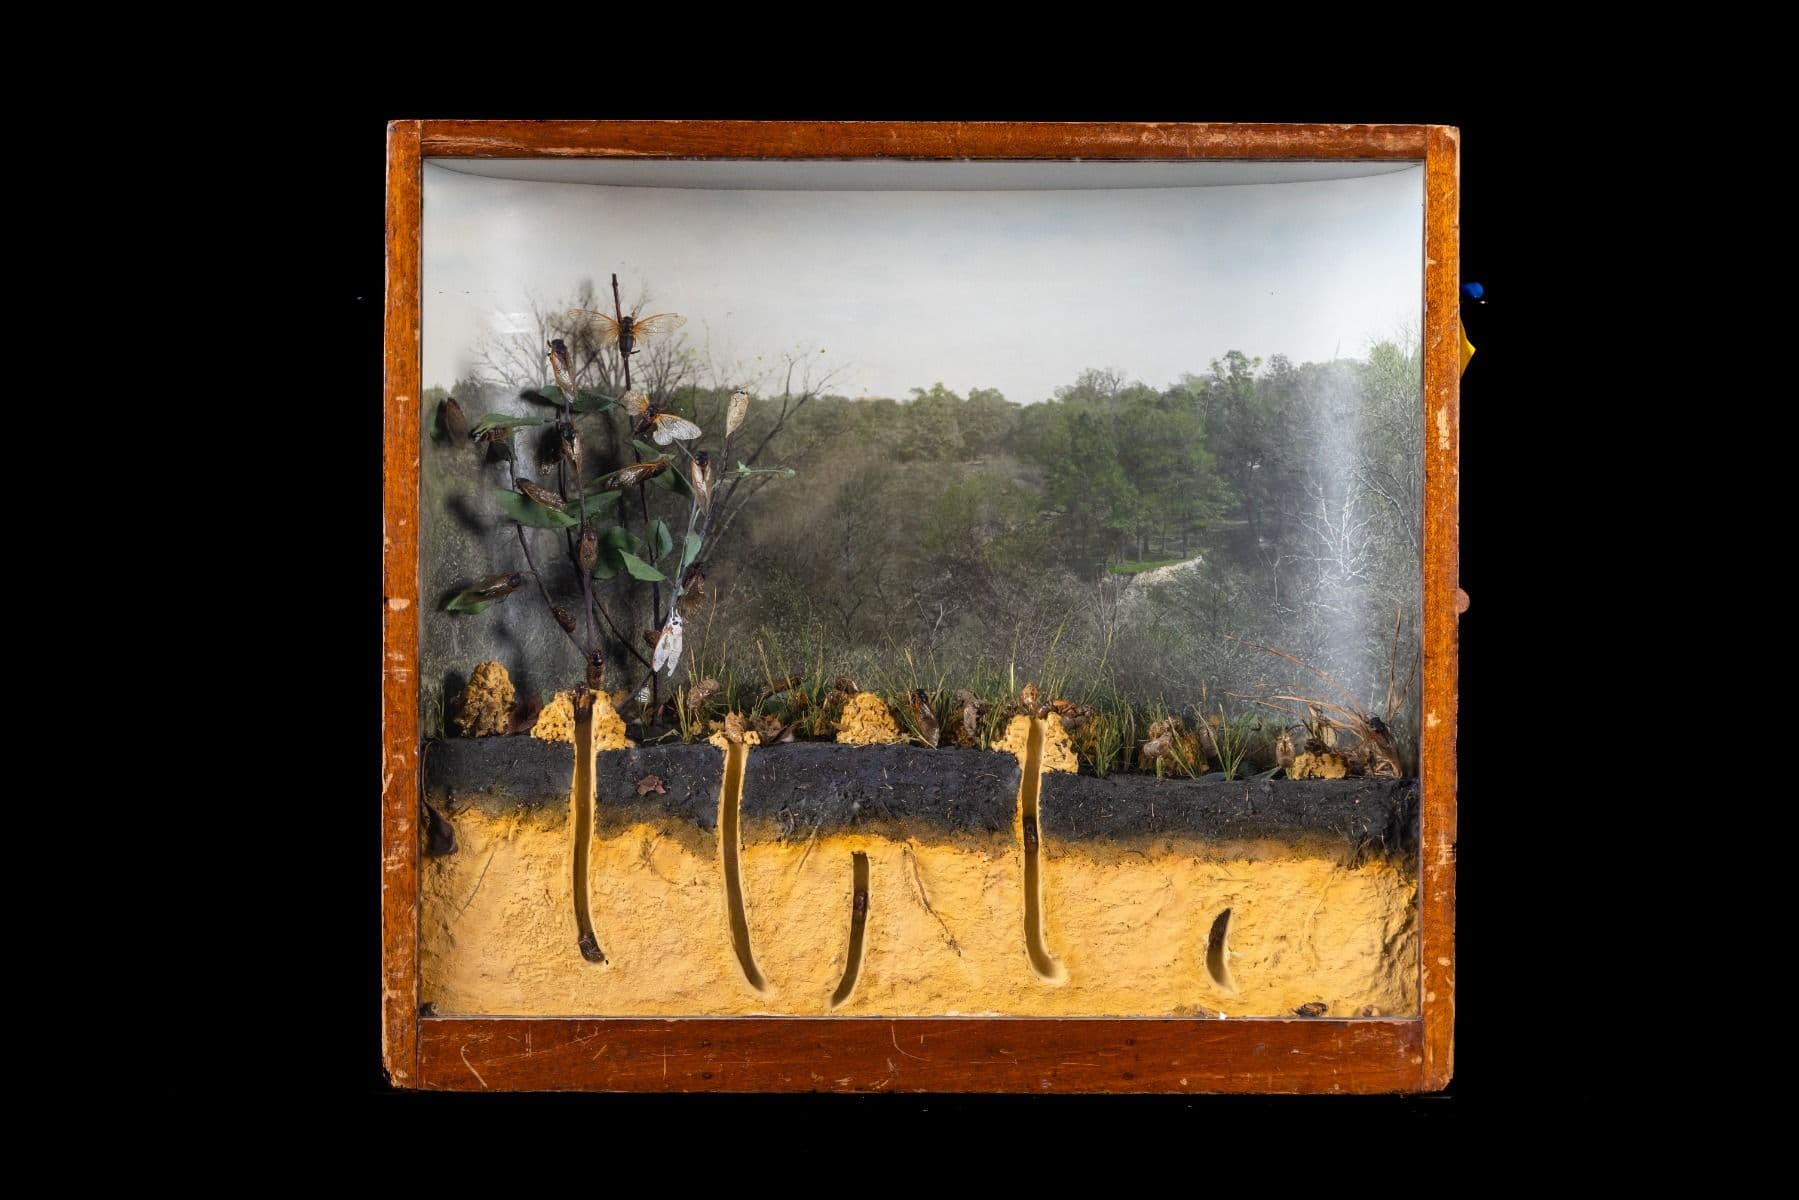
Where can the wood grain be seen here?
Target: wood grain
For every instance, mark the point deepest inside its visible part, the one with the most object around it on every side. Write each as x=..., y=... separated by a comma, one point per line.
x=1442, y=569
x=916, y=139
x=857, y=1054
x=400, y=614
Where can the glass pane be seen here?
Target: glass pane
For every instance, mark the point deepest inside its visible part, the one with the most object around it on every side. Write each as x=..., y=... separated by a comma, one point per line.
x=1029, y=552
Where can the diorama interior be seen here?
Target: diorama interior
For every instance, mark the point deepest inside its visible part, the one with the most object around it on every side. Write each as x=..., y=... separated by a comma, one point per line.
x=886, y=588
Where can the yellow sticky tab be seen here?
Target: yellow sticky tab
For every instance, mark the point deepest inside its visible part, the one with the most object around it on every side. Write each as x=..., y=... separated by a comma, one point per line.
x=1467, y=346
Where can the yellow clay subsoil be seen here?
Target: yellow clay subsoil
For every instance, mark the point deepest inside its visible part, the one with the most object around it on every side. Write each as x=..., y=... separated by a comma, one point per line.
x=1128, y=923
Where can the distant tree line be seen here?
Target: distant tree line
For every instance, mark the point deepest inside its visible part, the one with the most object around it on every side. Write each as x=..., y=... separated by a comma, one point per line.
x=983, y=534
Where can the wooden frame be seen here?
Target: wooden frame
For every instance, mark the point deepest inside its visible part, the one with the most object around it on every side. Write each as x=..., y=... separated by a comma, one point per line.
x=916, y=1054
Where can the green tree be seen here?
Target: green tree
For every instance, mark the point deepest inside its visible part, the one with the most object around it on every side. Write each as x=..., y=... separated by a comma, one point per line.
x=932, y=426
x=986, y=420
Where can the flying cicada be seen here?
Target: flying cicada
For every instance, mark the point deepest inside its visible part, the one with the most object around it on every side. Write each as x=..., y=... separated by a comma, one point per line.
x=626, y=331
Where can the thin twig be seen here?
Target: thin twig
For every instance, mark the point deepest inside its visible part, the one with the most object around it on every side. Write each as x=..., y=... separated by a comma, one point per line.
x=697, y=522
x=532, y=563
x=1342, y=691
x=548, y=603
x=617, y=632
x=643, y=495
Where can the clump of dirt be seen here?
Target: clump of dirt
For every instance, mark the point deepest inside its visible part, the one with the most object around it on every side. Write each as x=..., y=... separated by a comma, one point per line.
x=1058, y=748
x=735, y=730
x=486, y=702
x=608, y=726
x=867, y=722
x=556, y=723
x=1319, y=766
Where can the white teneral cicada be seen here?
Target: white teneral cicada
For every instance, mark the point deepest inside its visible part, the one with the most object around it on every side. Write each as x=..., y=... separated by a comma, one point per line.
x=668, y=646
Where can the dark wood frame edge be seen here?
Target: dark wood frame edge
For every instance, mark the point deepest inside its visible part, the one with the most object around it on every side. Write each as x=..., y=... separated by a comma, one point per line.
x=917, y=1054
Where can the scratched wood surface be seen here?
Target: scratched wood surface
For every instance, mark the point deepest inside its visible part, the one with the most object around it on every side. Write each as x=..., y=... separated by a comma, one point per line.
x=917, y=139
x=1442, y=568
x=744, y=1054
x=400, y=614
x=859, y=1054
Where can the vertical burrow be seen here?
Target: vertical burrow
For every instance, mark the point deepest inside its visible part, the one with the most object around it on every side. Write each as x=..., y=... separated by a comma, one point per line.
x=1218, y=952
x=581, y=800
x=730, y=804
x=858, y=927
x=1030, y=784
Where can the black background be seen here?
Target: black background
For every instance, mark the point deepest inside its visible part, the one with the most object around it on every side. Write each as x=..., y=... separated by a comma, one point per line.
x=348, y=150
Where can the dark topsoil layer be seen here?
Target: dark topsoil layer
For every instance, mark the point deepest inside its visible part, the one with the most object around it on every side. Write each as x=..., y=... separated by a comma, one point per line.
x=797, y=789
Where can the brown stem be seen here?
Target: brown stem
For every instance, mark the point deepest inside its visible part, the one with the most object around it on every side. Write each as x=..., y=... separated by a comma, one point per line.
x=547, y=602
x=697, y=522
x=618, y=633
x=532, y=563
x=643, y=497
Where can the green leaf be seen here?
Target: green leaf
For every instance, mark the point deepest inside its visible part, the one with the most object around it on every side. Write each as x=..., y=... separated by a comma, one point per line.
x=640, y=569
x=531, y=514
x=496, y=421
x=613, y=542
x=589, y=401
x=594, y=504
x=661, y=541
x=647, y=450
x=468, y=602
x=690, y=551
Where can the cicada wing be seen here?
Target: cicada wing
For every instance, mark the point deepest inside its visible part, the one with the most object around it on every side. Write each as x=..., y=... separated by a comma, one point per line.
x=657, y=325
x=670, y=429
x=564, y=379
x=636, y=403
x=604, y=325
x=668, y=647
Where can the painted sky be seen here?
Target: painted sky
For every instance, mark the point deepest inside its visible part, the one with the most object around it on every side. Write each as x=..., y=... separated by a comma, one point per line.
x=1016, y=290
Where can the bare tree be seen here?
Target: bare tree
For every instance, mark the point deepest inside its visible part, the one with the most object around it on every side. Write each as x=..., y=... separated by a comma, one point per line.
x=802, y=378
